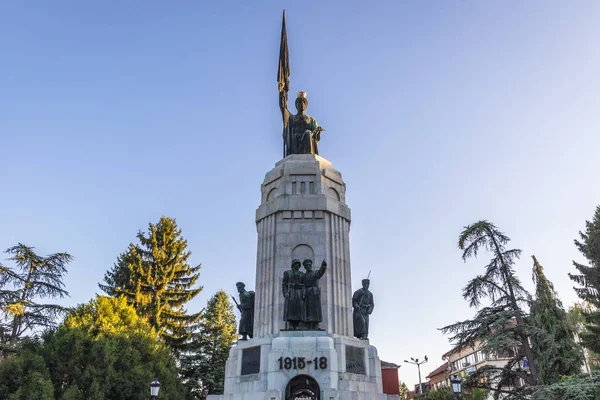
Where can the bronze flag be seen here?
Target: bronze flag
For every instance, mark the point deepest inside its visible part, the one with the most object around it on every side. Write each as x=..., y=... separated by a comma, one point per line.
x=283, y=75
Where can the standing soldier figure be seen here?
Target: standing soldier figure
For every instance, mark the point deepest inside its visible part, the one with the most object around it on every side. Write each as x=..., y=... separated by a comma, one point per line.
x=362, y=302
x=312, y=305
x=246, y=308
x=293, y=292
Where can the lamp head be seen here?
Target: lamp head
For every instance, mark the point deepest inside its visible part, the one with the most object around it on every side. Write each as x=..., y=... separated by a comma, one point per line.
x=154, y=387
x=456, y=386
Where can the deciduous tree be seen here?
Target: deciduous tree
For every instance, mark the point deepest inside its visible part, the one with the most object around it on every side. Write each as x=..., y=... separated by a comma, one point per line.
x=105, y=351
x=26, y=376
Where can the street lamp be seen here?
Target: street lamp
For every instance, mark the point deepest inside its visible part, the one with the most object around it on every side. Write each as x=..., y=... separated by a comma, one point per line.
x=455, y=381
x=418, y=363
x=154, y=388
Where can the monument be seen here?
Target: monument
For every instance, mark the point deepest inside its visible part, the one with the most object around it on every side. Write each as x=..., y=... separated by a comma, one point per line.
x=302, y=344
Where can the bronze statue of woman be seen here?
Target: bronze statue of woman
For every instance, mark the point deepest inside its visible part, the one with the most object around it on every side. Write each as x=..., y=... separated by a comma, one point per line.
x=301, y=133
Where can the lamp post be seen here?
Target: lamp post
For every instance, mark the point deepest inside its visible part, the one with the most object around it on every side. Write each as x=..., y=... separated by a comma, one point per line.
x=456, y=387
x=154, y=388
x=418, y=363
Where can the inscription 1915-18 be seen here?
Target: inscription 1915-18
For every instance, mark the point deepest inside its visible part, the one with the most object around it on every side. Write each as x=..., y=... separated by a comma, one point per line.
x=302, y=362
x=251, y=360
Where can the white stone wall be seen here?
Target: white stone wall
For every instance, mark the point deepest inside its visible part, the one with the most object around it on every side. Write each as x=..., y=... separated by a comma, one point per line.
x=334, y=381
x=303, y=214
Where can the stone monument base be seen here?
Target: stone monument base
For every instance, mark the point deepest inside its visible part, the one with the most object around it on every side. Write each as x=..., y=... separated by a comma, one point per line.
x=303, y=365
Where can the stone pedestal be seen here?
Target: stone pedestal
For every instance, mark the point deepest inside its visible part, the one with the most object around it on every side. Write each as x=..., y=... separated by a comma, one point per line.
x=345, y=369
x=303, y=214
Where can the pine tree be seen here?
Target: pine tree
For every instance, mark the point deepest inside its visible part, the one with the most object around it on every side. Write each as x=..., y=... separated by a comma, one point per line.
x=588, y=280
x=575, y=316
x=500, y=327
x=556, y=352
x=157, y=281
x=203, y=362
x=22, y=290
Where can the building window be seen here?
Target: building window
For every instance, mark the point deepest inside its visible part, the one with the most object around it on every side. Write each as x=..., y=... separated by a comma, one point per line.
x=480, y=356
x=471, y=359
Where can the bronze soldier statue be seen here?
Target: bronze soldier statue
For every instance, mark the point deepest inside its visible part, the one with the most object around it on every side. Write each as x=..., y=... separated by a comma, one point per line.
x=312, y=303
x=362, y=302
x=246, y=307
x=293, y=292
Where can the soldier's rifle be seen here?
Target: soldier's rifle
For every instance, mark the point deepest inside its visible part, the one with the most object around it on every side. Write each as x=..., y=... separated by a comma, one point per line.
x=236, y=303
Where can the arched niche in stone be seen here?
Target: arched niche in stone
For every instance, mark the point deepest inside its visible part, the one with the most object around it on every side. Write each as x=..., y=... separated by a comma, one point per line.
x=302, y=387
x=302, y=252
x=272, y=194
x=331, y=192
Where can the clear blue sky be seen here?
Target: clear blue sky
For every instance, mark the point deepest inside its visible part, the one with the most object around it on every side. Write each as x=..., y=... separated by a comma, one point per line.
x=437, y=114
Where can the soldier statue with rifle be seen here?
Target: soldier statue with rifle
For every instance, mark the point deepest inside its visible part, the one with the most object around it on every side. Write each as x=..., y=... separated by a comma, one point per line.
x=362, y=302
x=246, y=307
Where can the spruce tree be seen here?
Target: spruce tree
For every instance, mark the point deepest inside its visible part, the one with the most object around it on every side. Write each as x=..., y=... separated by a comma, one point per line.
x=556, y=353
x=156, y=279
x=204, y=357
x=588, y=280
x=500, y=328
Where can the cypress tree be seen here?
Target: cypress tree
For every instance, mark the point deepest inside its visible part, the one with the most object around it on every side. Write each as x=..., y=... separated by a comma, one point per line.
x=204, y=357
x=588, y=280
x=556, y=352
x=156, y=279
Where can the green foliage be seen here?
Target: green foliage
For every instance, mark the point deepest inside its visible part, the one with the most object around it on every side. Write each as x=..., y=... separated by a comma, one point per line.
x=107, y=317
x=204, y=357
x=23, y=288
x=578, y=387
x=155, y=277
x=25, y=376
x=104, y=351
x=476, y=394
x=588, y=280
x=499, y=327
x=556, y=352
x=403, y=391
x=576, y=318
x=440, y=394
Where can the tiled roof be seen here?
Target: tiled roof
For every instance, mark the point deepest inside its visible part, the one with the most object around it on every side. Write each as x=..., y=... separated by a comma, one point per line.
x=389, y=365
x=438, y=370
